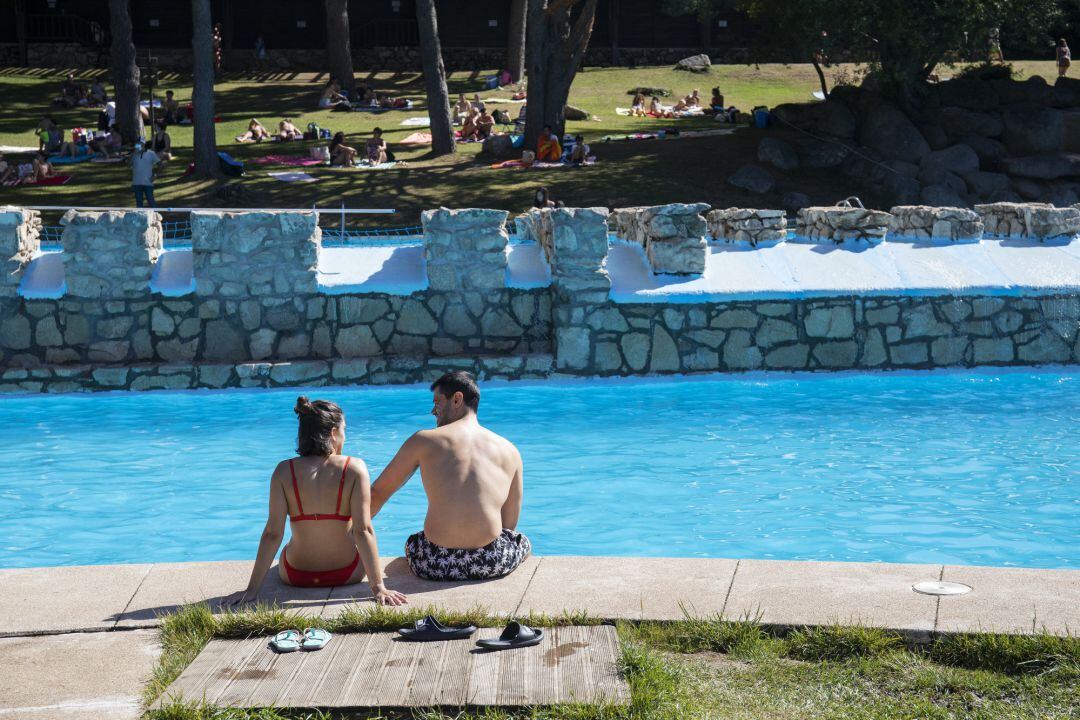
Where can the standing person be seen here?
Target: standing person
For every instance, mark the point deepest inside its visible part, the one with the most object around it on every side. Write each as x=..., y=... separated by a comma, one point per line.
x=143, y=164
x=995, y=45
x=1064, y=57
x=261, y=56
x=473, y=480
x=216, y=40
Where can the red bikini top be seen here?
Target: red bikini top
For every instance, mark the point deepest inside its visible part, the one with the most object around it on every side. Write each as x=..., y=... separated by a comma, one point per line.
x=316, y=516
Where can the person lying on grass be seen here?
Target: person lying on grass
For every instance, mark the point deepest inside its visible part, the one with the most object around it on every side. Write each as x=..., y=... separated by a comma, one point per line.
x=340, y=153
x=7, y=170
x=657, y=109
x=473, y=482
x=255, y=133
x=326, y=497
x=42, y=168
x=288, y=131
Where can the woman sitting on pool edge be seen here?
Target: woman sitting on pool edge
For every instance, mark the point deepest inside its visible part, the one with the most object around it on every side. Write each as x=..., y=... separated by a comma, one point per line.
x=333, y=542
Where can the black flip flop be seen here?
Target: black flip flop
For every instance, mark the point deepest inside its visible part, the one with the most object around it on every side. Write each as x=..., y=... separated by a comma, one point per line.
x=430, y=629
x=514, y=636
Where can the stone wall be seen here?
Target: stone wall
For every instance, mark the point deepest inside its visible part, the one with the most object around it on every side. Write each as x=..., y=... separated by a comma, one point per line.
x=258, y=317
x=745, y=225
x=1029, y=220
x=922, y=222
x=840, y=224
x=673, y=235
x=20, y=239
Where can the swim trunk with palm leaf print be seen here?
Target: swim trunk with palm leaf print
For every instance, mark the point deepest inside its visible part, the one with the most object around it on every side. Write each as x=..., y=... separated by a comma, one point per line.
x=496, y=559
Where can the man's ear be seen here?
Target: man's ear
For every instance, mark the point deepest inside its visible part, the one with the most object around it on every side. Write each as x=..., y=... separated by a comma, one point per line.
x=459, y=398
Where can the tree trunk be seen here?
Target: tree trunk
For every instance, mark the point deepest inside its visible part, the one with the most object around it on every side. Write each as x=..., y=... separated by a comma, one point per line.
x=515, y=43
x=705, y=17
x=338, y=45
x=202, y=97
x=820, y=76
x=125, y=71
x=20, y=32
x=556, y=44
x=438, y=99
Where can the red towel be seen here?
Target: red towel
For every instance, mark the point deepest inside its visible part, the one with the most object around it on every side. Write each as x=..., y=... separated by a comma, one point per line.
x=51, y=180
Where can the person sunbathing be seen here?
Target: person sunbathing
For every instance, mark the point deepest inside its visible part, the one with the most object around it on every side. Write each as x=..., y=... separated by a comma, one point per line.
x=332, y=98
x=376, y=148
x=657, y=109
x=484, y=124
x=75, y=149
x=107, y=143
x=161, y=143
x=7, y=171
x=580, y=153
x=693, y=100
x=717, y=101
x=473, y=479
x=71, y=92
x=42, y=168
x=326, y=497
x=340, y=153
x=469, y=128
x=637, y=109
x=548, y=148
x=255, y=133
x=98, y=94
x=461, y=108
x=288, y=131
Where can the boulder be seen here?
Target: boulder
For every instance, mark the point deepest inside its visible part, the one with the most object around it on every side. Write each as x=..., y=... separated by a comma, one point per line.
x=1071, y=118
x=943, y=178
x=1032, y=129
x=1066, y=92
x=865, y=164
x=575, y=113
x=1015, y=92
x=901, y=189
x=985, y=184
x=889, y=131
x=968, y=93
x=1026, y=189
x=958, y=159
x=1059, y=197
x=1005, y=196
x=903, y=168
x=753, y=178
x=500, y=146
x=777, y=153
x=1049, y=166
x=959, y=122
x=821, y=154
x=827, y=118
x=940, y=196
x=696, y=63
x=935, y=135
x=989, y=151
x=794, y=201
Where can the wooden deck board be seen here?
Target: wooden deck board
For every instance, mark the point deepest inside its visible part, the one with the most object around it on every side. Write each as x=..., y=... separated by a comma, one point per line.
x=359, y=670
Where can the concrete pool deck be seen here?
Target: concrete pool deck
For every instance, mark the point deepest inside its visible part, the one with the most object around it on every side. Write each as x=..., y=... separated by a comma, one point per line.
x=80, y=641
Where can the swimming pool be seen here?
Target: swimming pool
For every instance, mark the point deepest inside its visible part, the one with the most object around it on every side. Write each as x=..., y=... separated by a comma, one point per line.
x=979, y=468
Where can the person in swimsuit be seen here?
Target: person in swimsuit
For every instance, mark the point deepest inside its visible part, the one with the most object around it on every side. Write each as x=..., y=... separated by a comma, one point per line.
x=473, y=481
x=327, y=498
x=1064, y=57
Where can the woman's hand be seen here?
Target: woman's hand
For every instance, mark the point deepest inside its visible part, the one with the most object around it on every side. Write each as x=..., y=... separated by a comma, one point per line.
x=238, y=600
x=383, y=596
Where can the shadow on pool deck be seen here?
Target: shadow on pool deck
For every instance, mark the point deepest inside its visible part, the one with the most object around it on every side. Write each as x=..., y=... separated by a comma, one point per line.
x=98, y=598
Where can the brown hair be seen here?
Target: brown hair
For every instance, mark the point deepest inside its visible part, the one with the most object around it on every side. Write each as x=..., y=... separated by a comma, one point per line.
x=462, y=382
x=317, y=422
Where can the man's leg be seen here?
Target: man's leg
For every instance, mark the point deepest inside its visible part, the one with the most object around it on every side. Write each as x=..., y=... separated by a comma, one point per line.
x=149, y=190
x=138, y=190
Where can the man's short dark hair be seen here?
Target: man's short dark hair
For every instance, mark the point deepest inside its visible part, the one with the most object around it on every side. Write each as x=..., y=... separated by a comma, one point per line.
x=462, y=382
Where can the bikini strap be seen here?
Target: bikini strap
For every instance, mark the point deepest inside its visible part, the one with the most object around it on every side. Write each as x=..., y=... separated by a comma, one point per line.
x=296, y=489
x=341, y=485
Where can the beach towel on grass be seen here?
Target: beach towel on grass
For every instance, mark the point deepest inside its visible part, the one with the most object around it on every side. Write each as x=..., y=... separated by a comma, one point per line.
x=51, y=180
x=365, y=165
x=103, y=159
x=17, y=149
x=416, y=122
x=65, y=160
x=286, y=176
x=488, y=101
x=511, y=164
x=417, y=138
x=294, y=160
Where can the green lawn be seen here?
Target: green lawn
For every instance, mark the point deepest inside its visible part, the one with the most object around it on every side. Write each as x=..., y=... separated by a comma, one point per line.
x=706, y=668
x=651, y=172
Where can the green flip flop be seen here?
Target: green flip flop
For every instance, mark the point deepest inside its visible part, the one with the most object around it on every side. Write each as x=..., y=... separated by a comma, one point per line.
x=315, y=639
x=287, y=641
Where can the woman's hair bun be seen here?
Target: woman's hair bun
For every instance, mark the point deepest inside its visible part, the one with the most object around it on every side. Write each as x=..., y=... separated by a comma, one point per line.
x=303, y=406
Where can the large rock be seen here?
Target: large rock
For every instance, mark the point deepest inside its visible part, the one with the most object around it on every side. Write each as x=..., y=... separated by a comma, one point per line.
x=1059, y=197
x=944, y=178
x=901, y=189
x=941, y=196
x=827, y=118
x=959, y=122
x=970, y=94
x=575, y=113
x=1033, y=90
x=1066, y=92
x=1031, y=129
x=500, y=146
x=1044, y=167
x=821, y=153
x=794, y=201
x=753, y=178
x=697, y=63
x=958, y=159
x=989, y=151
x=985, y=184
x=777, y=153
x=935, y=135
x=889, y=131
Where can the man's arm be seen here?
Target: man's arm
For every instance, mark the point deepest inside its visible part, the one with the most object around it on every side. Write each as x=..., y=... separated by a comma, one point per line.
x=511, y=509
x=396, y=474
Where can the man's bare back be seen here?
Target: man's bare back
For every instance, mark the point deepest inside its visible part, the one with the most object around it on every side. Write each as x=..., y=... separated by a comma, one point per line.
x=473, y=479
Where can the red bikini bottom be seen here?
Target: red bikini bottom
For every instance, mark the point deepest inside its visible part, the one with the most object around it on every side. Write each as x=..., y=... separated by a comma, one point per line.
x=319, y=578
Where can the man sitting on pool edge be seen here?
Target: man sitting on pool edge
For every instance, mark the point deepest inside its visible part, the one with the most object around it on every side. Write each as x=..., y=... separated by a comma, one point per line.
x=473, y=481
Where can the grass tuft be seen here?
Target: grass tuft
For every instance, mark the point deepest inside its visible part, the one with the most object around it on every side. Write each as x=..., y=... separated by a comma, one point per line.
x=1011, y=654
x=839, y=643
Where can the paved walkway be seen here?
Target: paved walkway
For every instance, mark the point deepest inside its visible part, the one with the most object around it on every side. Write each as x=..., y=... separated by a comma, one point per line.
x=66, y=676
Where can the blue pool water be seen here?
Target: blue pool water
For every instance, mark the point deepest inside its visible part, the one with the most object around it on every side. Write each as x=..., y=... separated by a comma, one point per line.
x=967, y=468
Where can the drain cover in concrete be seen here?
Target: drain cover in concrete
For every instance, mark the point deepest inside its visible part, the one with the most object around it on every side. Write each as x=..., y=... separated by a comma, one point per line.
x=939, y=587
x=361, y=670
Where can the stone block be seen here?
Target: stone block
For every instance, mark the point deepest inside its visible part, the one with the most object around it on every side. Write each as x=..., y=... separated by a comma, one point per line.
x=465, y=249
x=673, y=235
x=20, y=240
x=110, y=254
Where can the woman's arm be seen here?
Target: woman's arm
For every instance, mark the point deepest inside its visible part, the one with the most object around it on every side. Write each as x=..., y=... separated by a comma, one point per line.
x=364, y=537
x=272, y=534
